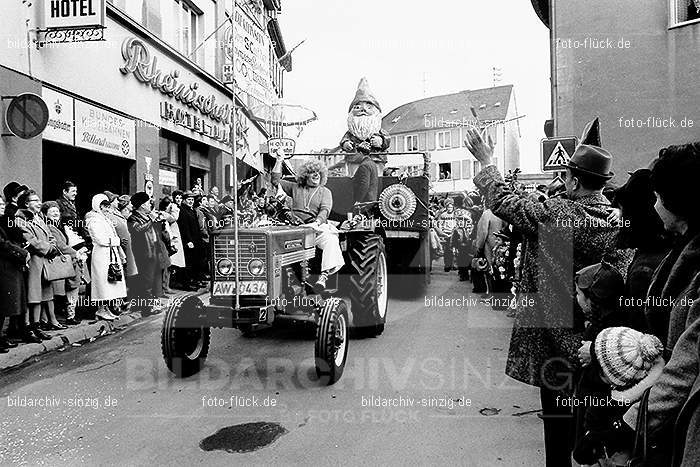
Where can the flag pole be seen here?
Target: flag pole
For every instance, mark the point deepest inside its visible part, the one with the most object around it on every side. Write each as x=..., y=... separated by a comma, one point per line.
x=233, y=152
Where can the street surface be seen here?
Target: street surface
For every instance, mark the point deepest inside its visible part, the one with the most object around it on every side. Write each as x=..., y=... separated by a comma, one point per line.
x=441, y=369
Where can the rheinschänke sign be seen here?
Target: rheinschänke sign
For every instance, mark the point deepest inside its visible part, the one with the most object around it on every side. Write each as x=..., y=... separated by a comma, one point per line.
x=198, y=112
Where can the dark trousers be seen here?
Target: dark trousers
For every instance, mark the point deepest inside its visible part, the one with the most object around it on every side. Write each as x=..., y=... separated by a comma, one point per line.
x=147, y=284
x=558, y=423
x=479, y=281
x=448, y=254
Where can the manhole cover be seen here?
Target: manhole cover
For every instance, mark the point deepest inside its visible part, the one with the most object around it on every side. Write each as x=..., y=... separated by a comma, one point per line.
x=245, y=437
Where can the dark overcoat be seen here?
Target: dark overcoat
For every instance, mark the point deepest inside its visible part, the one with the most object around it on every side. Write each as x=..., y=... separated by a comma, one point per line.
x=13, y=287
x=561, y=236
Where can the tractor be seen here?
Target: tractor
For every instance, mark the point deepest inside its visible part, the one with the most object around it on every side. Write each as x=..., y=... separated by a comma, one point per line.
x=261, y=276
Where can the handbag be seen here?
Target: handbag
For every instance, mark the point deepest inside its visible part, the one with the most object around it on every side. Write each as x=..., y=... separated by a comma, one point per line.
x=114, y=270
x=641, y=443
x=57, y=268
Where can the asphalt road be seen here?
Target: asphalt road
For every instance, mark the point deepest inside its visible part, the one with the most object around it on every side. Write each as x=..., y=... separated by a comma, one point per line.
x=257, y=402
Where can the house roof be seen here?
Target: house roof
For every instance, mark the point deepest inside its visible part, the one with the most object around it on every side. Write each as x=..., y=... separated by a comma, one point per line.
x=489, y=104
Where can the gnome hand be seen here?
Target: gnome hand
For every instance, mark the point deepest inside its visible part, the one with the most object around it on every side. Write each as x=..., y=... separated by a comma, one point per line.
x=348, y=146
x=376, y=141
x=364, y=146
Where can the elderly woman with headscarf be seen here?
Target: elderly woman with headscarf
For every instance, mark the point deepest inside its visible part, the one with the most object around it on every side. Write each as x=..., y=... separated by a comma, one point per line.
x=310, y=194
x=106, y=251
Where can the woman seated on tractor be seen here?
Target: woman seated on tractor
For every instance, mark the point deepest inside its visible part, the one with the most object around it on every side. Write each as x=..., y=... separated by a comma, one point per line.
x=310, y=199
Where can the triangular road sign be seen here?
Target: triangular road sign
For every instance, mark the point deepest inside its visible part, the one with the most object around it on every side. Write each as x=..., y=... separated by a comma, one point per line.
x=558, y=157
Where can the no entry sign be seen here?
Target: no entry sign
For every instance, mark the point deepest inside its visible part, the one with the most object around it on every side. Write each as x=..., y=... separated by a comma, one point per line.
x=27, y=115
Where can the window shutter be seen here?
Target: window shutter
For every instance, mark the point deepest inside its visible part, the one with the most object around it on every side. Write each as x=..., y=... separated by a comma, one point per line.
x=455, y=170
x=433, y=171
x=421, y=142
x=466, y=169
x=455, y=138
x=431, y=140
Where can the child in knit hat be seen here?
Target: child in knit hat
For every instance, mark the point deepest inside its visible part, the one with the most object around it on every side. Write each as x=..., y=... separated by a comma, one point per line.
x=629, y=362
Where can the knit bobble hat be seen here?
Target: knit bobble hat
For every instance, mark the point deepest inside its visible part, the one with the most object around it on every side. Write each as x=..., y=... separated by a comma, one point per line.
x=626, y=356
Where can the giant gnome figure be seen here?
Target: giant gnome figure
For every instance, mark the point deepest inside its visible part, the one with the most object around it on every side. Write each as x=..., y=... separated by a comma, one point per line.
x=365, y=134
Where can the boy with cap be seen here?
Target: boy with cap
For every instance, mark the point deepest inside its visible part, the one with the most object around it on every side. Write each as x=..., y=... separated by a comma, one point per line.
x=629, y=363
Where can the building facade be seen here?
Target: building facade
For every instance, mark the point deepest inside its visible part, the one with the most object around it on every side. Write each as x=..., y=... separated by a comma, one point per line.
x=438, y=124
x=147, y=108
x=633, y=64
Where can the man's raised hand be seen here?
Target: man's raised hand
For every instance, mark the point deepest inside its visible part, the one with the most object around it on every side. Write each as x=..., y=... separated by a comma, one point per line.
x=482, y=151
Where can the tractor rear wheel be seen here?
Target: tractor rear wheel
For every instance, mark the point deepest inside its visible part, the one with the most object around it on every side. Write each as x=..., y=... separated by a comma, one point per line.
x=367, y=283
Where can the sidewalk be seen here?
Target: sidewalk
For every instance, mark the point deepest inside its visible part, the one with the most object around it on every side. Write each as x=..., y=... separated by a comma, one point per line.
x=85, y=332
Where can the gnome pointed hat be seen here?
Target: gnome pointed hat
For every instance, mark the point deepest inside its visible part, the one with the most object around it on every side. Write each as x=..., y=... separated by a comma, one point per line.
x=363, y=94
x=591, y=133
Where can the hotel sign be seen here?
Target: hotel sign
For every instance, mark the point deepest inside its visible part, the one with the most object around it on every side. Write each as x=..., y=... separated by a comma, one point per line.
x=68, y=14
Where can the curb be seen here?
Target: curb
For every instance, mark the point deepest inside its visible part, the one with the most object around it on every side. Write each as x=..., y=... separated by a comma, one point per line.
x=87, y=331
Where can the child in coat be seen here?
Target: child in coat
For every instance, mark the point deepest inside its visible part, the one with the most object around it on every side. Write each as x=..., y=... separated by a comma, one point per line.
x=627, y=363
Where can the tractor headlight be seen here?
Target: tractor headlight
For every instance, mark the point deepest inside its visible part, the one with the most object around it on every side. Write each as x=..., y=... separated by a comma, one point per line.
x=397, y=202
x=225, y=267
x=256, y=267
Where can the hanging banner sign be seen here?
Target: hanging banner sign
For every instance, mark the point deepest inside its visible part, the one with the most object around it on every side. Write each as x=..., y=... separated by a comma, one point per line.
x=60, y=125
x=167, y=177
x=287, y=144
x=65, y=14
x=251, y=68
x=104, y=131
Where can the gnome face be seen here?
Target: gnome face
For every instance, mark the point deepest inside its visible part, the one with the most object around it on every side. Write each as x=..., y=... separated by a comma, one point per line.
x=364, y=120
x=364, y=114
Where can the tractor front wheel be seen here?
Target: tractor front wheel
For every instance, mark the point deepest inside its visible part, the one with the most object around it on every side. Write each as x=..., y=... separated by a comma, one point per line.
x=331, y=349
x=184, y=343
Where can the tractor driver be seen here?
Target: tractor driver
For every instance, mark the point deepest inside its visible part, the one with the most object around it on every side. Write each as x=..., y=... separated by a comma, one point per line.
x=309, y=193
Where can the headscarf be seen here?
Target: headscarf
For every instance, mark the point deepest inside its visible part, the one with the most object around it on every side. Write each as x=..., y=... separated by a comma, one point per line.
x=98, y=199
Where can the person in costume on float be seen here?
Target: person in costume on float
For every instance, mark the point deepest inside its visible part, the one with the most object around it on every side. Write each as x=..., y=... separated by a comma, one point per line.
x=309, y=193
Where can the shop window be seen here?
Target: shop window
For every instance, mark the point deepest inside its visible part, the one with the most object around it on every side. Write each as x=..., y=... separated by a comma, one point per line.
x=683, y=11
x=443, y=139
x=412, y=143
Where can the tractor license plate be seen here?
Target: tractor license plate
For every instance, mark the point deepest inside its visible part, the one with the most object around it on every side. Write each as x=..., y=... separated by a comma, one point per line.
x=247, y=288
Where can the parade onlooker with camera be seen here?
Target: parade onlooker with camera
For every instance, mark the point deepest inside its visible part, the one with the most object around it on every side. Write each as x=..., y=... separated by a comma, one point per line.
x=146, y=227
x=107, y=270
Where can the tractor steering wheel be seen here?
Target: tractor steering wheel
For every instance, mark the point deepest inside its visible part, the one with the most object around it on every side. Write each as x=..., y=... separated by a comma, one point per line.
x=304, y=215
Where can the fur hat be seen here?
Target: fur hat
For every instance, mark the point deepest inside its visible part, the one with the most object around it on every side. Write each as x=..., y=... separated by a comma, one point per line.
x=629, y=359
x=110, y=196
x=123, y=202
x=601, y=281
x=363, y=94
x=140, y=198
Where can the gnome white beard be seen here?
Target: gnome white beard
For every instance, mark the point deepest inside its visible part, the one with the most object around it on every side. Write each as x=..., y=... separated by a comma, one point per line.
x=364, y=126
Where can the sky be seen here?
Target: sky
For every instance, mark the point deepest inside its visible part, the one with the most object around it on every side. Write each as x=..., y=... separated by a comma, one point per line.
x=409, y=50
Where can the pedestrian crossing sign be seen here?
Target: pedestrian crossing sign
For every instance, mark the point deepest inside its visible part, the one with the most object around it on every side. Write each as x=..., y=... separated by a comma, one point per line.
x=556, y=152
